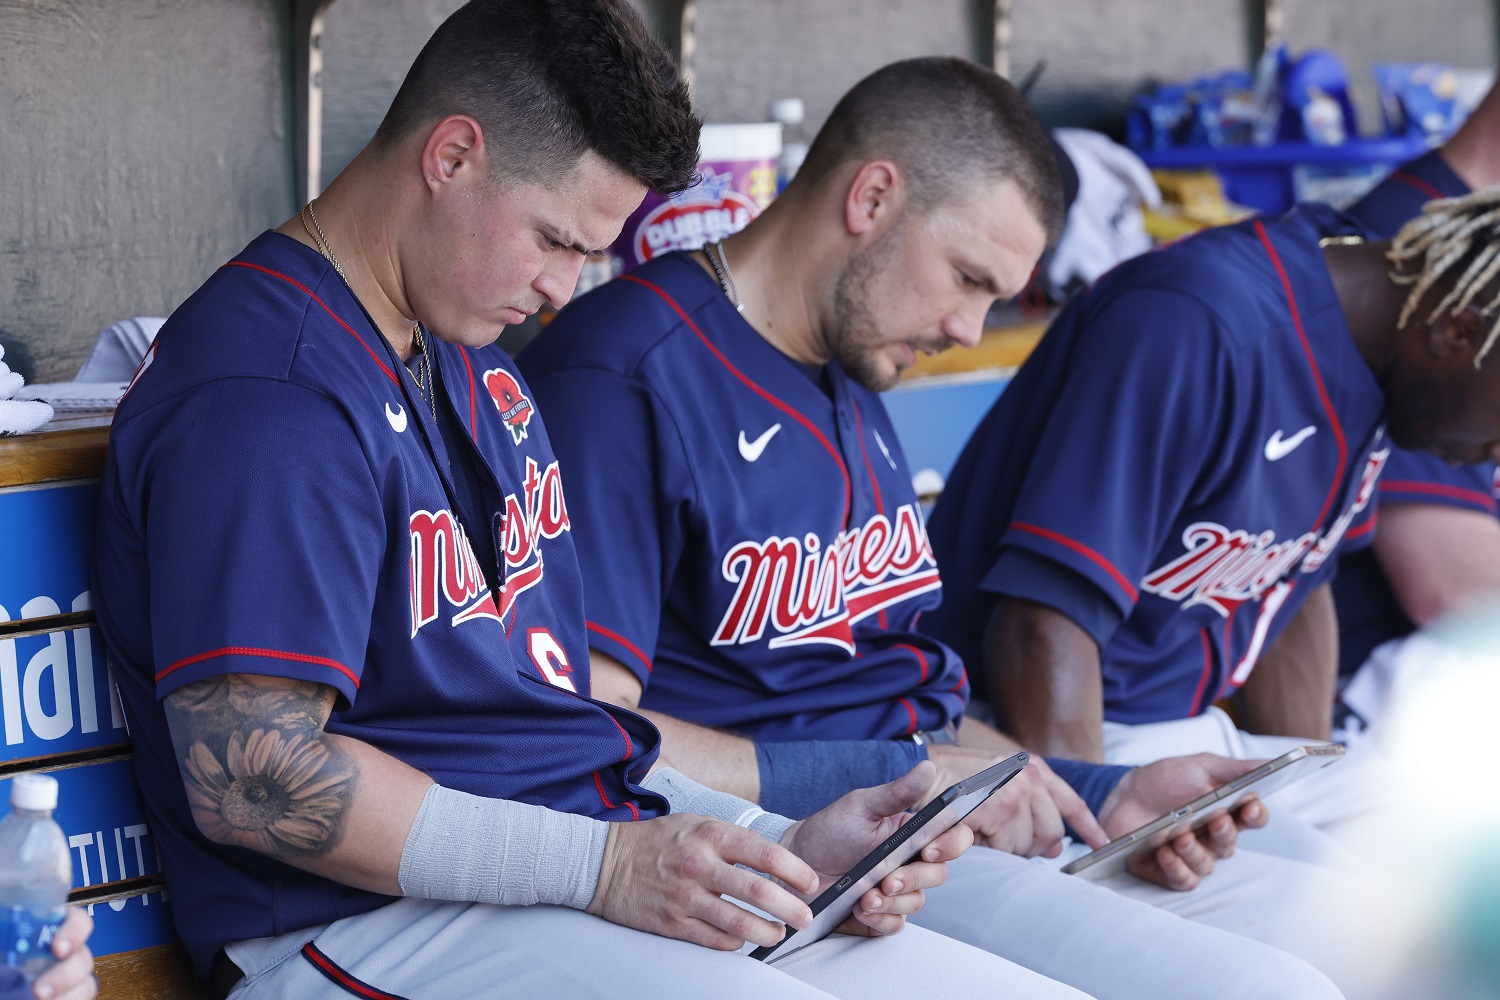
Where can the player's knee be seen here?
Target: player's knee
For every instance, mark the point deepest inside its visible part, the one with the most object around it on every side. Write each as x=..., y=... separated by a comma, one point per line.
x=1279, y=975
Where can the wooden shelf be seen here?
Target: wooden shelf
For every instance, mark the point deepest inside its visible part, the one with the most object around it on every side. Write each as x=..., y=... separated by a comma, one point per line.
x=1000, y=347
x=67, y=448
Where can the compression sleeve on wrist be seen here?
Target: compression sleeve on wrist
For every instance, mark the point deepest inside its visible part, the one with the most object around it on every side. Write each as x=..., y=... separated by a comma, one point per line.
x=685, y=795
x=797, y=779
x=468, y=848
x=1092, y=782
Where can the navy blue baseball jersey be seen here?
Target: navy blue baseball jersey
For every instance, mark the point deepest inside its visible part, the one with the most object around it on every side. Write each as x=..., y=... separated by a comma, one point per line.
x=1399, y=198
x=1369, y=613
x=682, y=433
x=1174, y=467
x=278, y=501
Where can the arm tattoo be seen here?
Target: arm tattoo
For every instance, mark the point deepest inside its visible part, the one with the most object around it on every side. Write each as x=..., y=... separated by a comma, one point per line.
x=258, y=769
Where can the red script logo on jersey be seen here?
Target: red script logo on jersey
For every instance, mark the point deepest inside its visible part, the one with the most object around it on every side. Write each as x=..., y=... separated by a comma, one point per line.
x=1223, y=569
x=515, y=409
x=811, y=593
x=444, y=566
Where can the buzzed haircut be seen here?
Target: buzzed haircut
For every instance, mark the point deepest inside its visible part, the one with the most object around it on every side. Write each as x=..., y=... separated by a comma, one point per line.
x=548, y=80
x=947, y=123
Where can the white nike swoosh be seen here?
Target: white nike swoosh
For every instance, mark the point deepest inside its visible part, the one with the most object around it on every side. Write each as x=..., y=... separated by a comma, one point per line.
x=750, y=450
x=397, y=419
x=1277, y=449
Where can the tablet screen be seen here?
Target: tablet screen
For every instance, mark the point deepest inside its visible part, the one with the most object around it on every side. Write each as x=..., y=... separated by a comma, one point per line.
x=834, y=905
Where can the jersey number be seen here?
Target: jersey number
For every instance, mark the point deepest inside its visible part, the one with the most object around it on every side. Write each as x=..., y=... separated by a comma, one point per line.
x=548, y=655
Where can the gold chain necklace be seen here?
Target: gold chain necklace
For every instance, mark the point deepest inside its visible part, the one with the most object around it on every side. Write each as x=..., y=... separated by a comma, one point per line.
x=423, y=375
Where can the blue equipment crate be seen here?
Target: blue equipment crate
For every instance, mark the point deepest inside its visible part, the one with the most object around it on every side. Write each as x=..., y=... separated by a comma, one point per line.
x=1273, y=178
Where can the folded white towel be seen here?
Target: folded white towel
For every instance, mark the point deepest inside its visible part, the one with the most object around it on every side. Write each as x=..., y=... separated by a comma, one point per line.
x=18, y=416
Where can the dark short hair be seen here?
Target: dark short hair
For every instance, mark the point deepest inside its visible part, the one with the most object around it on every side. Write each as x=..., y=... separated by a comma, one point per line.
x=548, y=80
x=947, y=123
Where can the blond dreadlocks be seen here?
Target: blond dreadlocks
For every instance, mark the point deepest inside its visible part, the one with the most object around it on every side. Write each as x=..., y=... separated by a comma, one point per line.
x=1450, y=234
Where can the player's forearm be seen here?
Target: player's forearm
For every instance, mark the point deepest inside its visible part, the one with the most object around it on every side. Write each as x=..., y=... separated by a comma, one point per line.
x=260, y=773
x=1437, y=558
x=1044, y=673
x=709, y=756
x=976, y=735
x=1290, y=691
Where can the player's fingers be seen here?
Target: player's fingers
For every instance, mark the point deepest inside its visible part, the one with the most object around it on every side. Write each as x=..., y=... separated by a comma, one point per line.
x=75, y=930
x=739, y=846
x=736, y=922
x=702, y=932
x=900, y=795
x=913, y=877
x=1177, y=874
x=1252, y=814
x=951, y=844
x=885, y=914
x=876, y=903
x=1221, y=836
x=1071, y=807
x=70, y=979
x=763, y=894
x=1011, y=833
x=856, y=927
x=1194, y=854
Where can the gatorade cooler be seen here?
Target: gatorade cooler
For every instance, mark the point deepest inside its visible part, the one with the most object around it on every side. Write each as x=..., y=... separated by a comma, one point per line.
x=736, y=180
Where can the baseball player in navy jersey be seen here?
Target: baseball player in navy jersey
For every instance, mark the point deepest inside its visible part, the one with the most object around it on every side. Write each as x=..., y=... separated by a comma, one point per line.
x=1438, y=543
x=755, y=559
x=336, y=578
x=1230, y=397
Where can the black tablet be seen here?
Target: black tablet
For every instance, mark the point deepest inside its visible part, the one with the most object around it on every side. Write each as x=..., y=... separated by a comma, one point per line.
x=834, y=904
x=1270, y=776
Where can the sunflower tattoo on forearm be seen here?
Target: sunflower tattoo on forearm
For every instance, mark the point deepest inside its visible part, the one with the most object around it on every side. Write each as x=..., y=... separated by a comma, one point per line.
x=258, y=769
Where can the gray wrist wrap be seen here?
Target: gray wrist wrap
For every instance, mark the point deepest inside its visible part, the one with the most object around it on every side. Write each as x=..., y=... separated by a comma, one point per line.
x=687, y=796
x=468, y=848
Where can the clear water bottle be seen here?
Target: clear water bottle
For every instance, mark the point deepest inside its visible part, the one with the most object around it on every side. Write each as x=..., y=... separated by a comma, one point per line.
x=36, y=872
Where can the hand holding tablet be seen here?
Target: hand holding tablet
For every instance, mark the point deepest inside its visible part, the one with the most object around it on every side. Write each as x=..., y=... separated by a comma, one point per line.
x=835, y=904
x=1202, y=810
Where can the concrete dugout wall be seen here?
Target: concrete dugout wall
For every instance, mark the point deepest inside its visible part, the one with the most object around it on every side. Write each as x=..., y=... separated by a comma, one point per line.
x=143, y=142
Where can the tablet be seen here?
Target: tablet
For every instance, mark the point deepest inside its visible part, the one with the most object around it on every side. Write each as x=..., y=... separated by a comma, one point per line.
x=834, y=905
x=1269, y=777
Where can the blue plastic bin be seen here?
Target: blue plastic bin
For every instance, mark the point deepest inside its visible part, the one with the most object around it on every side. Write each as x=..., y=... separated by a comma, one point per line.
x=1273, y=178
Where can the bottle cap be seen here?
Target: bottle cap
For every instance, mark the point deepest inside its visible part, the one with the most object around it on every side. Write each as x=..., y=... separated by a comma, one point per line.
x=33, y=791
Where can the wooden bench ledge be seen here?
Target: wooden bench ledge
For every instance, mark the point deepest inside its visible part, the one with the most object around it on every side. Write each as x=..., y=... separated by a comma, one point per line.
x=160, y=973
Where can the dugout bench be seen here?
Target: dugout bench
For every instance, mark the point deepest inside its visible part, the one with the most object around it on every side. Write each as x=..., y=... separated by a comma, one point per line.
x=61, y=715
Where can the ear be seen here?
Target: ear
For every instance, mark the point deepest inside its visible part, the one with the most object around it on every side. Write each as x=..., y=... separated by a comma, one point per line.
x=454, y=153
x=874, y=197
x=1458, y=338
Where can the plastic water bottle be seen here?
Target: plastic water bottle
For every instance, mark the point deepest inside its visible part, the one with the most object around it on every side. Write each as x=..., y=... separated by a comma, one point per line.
x=36, y=872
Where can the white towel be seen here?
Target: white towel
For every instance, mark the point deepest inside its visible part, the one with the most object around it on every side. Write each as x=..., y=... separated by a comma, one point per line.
x=118, y=350
x=1105, y=224
x=18, y=416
